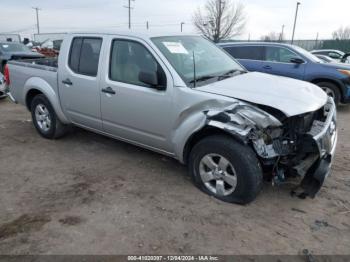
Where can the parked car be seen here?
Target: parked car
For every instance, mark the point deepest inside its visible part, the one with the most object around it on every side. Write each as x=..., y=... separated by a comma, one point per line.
x=326, y=59
x=337, y=55
x=346, y=58
x=2, y=87
x=12, y=50
x=184, y=97
x=295, y=62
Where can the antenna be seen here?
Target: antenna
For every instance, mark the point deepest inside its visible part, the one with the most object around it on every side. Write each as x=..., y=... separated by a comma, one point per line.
x=194, y=71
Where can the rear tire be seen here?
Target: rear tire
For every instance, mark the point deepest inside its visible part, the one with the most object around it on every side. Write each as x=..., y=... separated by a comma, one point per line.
x=226, y=169
x=45, y=119
x=331, y=90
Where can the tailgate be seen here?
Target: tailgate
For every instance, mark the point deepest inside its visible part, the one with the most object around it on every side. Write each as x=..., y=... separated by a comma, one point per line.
x=25, y=76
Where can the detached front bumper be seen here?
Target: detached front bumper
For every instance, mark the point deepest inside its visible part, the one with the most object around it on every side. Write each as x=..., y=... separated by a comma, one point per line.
x=325, y=137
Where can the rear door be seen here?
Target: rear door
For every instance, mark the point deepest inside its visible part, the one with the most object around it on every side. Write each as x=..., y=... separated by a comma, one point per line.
x=132, y=110
x=278, y=62
x=78, y=82
x=251, y=57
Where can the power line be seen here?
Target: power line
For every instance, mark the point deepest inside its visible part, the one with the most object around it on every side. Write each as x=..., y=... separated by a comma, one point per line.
x=37, y=9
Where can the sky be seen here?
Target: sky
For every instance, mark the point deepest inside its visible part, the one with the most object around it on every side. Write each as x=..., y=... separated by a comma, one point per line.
x=165, y=16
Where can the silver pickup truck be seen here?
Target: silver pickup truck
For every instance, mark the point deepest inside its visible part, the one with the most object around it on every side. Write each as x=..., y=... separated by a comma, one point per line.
x=185, y=98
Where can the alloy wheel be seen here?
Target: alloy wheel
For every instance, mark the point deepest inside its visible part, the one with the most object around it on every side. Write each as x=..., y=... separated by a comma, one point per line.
x=218, y=174
x=42, y=117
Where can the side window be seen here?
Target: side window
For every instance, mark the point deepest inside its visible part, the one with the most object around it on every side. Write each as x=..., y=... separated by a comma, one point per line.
x=334, y=55
x=246, y=52
x=281, y=55
x=84, y=55
x=128, y=59
x=75, y=54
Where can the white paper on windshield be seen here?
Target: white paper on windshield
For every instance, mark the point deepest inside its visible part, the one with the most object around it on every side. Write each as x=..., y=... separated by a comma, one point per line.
x=5, y=46
x=175, y=47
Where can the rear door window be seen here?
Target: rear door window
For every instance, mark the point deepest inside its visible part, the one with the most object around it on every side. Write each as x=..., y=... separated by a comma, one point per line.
x=246, y=52
x=84, y=55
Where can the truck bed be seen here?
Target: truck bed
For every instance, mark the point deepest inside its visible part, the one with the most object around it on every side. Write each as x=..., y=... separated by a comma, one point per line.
x=50, y=64
x=32, y=72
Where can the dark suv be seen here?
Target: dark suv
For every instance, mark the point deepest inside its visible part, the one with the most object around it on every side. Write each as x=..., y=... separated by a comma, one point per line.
x=295, y=62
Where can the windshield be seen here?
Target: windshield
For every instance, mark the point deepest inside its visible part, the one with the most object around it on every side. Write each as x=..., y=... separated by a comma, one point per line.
x=13, y=47
x=197, y=60
x=308, y=55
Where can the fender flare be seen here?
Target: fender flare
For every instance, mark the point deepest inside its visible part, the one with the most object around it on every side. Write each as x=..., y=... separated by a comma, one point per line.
x=36, y=83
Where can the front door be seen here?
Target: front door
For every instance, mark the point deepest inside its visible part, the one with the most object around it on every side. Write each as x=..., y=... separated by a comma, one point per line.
x=278, y=62
x=131, y=109
x=79, y=83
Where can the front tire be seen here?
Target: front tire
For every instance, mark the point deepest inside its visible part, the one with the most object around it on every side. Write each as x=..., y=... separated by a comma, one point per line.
x=226, y=169
x=45, y=119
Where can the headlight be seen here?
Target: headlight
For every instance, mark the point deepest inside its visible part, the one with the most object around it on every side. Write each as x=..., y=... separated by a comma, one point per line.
x=258, y=117
x=344, y=72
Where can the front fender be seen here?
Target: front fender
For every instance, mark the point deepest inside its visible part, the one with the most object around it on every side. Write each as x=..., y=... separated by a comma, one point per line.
x=237, y=119
x=36, y=83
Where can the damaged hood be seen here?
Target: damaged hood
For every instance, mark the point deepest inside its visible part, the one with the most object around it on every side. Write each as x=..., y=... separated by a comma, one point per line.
x=290, y=96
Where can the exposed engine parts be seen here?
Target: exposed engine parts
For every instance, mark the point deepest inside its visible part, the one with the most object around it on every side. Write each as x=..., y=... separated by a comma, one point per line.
x=287, y=147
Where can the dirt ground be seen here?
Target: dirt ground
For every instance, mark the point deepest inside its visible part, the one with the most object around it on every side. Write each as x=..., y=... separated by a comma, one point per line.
x=87, y=194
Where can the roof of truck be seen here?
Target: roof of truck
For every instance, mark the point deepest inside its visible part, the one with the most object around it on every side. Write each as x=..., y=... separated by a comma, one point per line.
x=139, y=34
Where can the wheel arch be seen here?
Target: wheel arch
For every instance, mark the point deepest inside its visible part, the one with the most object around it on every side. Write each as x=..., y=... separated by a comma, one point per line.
x=206, y=131
x=35, y=86
x=331, y=81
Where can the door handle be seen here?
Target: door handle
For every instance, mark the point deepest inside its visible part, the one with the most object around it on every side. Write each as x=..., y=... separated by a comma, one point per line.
x=108, y=90
x=267, y=67
x=67, y=82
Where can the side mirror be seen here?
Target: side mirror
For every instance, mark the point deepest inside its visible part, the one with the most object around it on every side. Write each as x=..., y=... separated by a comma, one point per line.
x=150, y=78
x=297, y=60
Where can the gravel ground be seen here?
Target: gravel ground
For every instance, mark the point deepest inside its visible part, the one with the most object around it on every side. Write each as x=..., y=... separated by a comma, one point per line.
x=87, y=194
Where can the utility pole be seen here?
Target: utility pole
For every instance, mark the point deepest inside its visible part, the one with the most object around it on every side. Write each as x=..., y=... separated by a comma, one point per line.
x=147, y=25
x=295, y=20
x=37, y=9
x=282, y=33
x=317, y=40
x=182, y=24
x=129, y=9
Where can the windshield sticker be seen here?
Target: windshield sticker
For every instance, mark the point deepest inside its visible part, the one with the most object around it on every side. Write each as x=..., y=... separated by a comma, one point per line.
x=175, y=48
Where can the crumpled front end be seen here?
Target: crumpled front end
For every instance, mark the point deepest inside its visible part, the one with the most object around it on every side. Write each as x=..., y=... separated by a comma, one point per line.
x=299, y=146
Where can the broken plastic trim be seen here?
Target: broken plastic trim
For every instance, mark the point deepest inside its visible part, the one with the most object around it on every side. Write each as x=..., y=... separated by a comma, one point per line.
x=246, y=123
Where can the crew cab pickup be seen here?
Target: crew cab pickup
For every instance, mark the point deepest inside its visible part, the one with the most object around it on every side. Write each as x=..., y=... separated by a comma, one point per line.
x=184, y=97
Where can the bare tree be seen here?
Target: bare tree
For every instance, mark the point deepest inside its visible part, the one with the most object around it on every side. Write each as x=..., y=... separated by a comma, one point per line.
x=220, y=19
x=343, y=33
x=272, y=37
